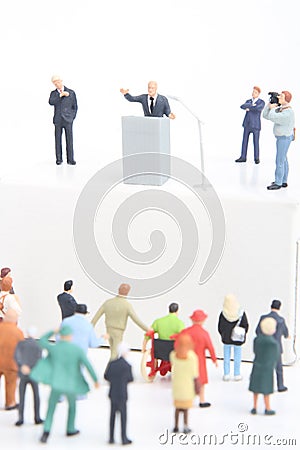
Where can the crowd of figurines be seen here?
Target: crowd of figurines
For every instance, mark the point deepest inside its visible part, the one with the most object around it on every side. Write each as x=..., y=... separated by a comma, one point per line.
x=22, y=363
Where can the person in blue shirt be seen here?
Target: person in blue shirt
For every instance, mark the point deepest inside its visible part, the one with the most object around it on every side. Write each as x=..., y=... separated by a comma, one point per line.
x=83, y=333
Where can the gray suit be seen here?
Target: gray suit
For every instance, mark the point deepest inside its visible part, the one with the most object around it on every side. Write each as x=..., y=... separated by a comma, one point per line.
x=161, y=106
x=28, y=352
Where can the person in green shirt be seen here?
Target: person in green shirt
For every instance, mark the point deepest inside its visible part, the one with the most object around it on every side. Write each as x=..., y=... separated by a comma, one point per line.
x=166, y=326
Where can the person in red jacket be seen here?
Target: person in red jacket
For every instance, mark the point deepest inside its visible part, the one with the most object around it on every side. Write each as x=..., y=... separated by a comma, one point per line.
x=202, y=342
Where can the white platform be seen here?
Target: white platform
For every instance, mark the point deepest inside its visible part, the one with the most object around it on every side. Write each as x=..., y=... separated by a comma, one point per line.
x=259, y=261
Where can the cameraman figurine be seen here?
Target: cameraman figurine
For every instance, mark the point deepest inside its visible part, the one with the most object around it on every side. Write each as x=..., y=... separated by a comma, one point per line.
x=283, y=117
x=252, y=124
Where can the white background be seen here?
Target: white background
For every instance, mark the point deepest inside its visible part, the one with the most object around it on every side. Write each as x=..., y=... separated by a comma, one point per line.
x=210, y=54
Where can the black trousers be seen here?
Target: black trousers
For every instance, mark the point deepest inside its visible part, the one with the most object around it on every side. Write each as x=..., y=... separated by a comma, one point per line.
x=24, y=380
x=122, y=408
x=279, y=374
x=68, y=127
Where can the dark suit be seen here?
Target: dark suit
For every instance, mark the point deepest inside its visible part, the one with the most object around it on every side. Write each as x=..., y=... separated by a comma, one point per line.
x=28, y=352
x=67, y=304
x=281, y=330
x=65, y=110
x=119, y=374
x=161, y=106
x=252, y=124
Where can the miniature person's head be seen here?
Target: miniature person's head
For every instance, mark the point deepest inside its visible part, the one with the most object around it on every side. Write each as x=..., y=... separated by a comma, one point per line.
x=68, y=285
x=124, y=289
x=268, y=326
x=184, y=344
x=81, y=309
x=198, y=316
x=123, y=350
x=5, y=271
x=152, y=88
x=11, y=316
x=256, y=91
x=65, y=333
x=285, y=97
x=276, y=304
x=173, y=308
x=231, y=308
x=32, y=332
x=6, y=284
x=57, y=81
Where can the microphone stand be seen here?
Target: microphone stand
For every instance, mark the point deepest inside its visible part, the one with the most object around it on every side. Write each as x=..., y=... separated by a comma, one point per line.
x=200, y=123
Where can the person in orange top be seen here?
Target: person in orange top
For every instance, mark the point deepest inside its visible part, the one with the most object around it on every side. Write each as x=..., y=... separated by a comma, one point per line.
x=10, y=335
x=202, y=342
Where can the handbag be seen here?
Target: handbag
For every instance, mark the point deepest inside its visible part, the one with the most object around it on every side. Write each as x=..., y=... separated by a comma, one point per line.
x=238, y=332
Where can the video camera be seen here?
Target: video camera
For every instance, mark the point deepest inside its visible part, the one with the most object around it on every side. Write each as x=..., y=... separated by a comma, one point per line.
x=274, y=98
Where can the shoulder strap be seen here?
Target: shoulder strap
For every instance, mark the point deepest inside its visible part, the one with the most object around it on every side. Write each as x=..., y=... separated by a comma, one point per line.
x=240, y=318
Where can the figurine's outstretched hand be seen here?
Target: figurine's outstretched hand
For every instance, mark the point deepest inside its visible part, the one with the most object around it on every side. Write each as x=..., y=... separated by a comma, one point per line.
x=124, y=91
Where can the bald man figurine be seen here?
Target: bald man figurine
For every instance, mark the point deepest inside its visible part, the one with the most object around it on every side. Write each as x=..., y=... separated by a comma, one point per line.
x=154, y=104
x=65, y=110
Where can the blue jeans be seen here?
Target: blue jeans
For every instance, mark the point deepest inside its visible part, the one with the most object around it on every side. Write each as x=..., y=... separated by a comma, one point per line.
x=237, y=357
x=282, y=165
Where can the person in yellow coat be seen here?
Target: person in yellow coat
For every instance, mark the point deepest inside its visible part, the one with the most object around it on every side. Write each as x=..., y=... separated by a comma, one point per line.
x=184, y=364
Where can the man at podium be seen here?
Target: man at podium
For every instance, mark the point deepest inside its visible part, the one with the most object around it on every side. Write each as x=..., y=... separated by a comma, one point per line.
x=154, y=104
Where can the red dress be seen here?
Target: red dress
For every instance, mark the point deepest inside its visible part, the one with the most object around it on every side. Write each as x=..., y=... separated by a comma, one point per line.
x=202, y=342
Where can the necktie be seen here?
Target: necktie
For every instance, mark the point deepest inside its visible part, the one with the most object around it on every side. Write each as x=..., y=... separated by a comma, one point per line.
x=151, y=105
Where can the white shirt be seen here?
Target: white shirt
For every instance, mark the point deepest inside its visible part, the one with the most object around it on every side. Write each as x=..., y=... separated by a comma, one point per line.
x=149, y=101
x=9, y=302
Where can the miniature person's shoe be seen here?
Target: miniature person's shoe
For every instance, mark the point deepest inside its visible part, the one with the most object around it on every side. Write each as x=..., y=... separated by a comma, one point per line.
x=238, y=378
x=126, y=442
x=273, y=187
x=253, y=411
x=226, y=377
x=73, y=433
x=284, y=185
x=58, y=162
x=269, y=412
x=282, y=389
x=240, y=160
x=10, y=408
x=204, y=405
x=72, y=163
x=111, y=441
x=19, y=423
x=44, y=437
x=175, y=430
x=187, y=430
x=38, y=421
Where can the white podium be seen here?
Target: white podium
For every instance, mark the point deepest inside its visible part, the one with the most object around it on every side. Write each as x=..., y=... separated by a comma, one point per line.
x=150, y=137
